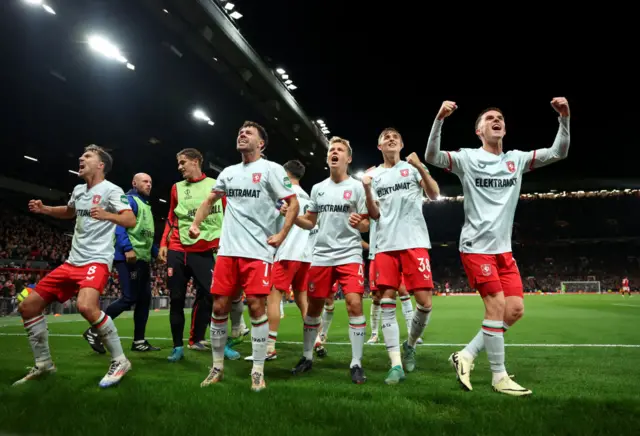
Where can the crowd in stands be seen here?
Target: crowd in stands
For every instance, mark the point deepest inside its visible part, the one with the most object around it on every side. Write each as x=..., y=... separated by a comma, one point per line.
x=565, y=239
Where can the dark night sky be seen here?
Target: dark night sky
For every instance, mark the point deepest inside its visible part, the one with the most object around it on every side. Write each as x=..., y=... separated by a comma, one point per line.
x=358, y=66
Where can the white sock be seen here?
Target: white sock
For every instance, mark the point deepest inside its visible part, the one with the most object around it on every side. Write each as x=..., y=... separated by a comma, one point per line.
x=109, y=336
x=327, y=318
x=357, y=331
x=494, y=344
x=259, y=333
x=375, y=313
x=271, y=341
x=420, y=322
x=237, y=323
x=474, y=347
x=38, y=335
x=310, y=332
x=391, y=331
x=407, y=311
x=219, y=332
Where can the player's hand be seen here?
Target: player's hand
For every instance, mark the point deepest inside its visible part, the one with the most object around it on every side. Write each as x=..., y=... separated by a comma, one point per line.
x=98, y=213
x=414, y=160
x=446, y=109
x=194, y=231
x=162, y=254
x=130, y=256
x=276, y=240
x=36, y=206
x=283, y=209
x=354, y=219
x=561, y=105
x=366, y=181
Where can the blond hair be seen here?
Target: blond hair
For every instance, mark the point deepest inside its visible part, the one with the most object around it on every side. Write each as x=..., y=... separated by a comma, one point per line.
x=339, y=140
x=387, y=130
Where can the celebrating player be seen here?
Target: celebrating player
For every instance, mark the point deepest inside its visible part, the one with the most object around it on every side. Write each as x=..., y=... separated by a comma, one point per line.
x=292, y=261
x=133, y=252
x=394, y=198
x=247, y=245
x=98, y=206
x=491, y=180
x=338, y=208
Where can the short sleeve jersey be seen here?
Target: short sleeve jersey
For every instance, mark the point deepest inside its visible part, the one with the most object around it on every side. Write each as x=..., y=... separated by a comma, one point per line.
x=337, y=243
x=296, y=246
x=491, y=187
x=252, y=190
x=399, y=193
x=93, y=240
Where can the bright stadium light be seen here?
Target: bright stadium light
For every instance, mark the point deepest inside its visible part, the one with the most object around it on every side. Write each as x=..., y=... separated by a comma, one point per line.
x=108, y=49
x=310, y=153
x=74, y=172
x=280, y=71
x=200, y=115
x=359, y=174
x=235, y=15
x=285, y=76
x=31, y=158
x=49, y=9
x=33, y=2
x=320, y=122
x=162, y=200
x=229, y=6
x=288, y=82
x=292, y=87
x=211, y=123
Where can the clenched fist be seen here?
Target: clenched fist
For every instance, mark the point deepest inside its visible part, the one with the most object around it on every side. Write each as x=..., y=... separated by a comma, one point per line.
x=366, y=180
x=354, y=219
x=561, y=105
x=36, y=206
x=98, y=213
x=194, y=231
x=414, y=160
x=446, y=109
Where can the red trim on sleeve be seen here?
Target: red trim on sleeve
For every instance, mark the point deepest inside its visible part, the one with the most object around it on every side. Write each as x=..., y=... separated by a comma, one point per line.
x=450, y=168
x=224, y=204
x=125, y=210
x=310, y=211
x=533, y=160
x=288, y=197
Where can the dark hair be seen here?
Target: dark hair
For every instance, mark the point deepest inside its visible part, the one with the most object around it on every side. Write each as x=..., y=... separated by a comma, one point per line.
x=105, y=157
x=191, y=153
x=261, y=131
x=19, y=285
x=489, y=109
x=295, y=168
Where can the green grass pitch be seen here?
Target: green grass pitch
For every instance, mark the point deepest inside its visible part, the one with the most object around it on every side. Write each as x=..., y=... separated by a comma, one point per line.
x=580, y=354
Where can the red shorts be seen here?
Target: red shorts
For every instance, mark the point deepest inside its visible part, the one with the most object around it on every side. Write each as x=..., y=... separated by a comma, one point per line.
x=499, y=271
x=334, y=288
x=290, y=275
x=233, y=273
x=412, y=265
x=66, y=280
x=349, y=276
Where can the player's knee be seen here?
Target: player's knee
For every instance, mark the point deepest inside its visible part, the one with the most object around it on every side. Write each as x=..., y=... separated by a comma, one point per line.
x=28, y=310
x=354, y=307
x=87, y=309
x=513, y=313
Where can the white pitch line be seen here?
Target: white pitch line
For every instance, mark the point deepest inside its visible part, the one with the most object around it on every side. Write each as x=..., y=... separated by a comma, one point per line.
x=60, y=335
x=627, y=305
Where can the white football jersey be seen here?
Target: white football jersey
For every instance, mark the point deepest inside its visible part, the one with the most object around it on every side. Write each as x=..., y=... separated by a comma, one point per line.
x=296, y=246
x=93, y=240
x=337, y=243
x=249, y=219
x=372, y=238
x=401, y=224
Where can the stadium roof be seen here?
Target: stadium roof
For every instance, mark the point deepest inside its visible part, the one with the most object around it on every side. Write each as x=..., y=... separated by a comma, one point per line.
x=357, y=76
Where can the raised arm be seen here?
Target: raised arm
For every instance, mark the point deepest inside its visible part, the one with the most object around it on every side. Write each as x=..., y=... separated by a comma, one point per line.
x=560, y=148
x=429, y=185
x=432, y=154
x=372, y=205
x=61, y=212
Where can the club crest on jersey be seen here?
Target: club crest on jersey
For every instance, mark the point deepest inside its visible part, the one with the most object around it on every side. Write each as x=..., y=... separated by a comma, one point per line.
x=347, y=195
x=170, y=272
x=257, y=177
x=511, y=166
x=486, y=269
x=404, y=173
x=312, y=287
x=96, y=199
